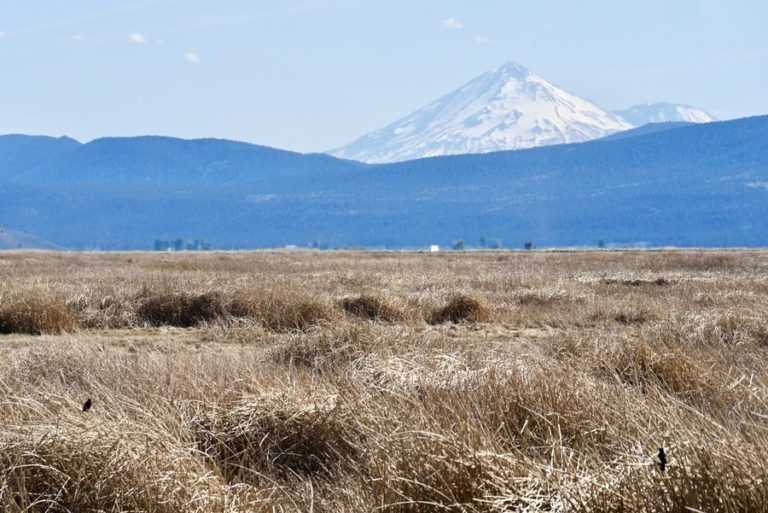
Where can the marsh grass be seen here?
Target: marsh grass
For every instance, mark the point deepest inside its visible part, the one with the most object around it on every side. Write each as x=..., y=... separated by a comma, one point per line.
x=376, y=308
x=277, y=434
x=311, y=382
x=97, y=466
x=461, y=308
x=35, y=312
x=178, y=308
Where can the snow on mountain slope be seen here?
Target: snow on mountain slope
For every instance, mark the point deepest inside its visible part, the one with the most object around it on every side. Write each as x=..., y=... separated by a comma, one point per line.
x=13, y=239
x=640, y=115
x=504, y=109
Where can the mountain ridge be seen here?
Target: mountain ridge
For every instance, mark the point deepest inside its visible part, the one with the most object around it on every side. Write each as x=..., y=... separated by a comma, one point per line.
x=695, y=185
x=123, y=159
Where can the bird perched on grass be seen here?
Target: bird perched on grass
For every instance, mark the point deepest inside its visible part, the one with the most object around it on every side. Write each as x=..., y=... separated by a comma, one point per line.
x=662, y=459
x=87, y=404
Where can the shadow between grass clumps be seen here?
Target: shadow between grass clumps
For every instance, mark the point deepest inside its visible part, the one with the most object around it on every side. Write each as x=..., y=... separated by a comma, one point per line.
x=659, y=282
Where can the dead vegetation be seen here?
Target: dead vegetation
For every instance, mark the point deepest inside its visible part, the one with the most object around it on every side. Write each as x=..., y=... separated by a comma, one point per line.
x=332, y=382
x=460, y=308
x=376, y=309
x=97, y=466
x=278, y=434
x=35, y=312
x=178, y=308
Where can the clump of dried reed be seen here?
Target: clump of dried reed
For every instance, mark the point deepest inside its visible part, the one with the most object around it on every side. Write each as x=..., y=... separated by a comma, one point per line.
x=461, y=308
x=278, y=434
x=35, y=312
x=88, y=466
x=179, y=309
x=320, y=349
x=376, y=308
x=282, y=310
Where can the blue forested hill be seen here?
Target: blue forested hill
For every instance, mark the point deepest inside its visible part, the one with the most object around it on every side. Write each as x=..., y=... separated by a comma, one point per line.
x=19, y=153
x=693, y=185
x=155, y=160
x=646, y=129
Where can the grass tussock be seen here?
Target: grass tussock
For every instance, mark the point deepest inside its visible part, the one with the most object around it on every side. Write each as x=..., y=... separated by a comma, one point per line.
x=36, y=312
x=628, y=315
x=424, y=472
x=101, y=468
x=283, y=310
x=275, y=310
x=632, y=317
x=277, y=434
x=705, y=476
x=323, y=349
x=461, y=308
x=640, y=365
x=376, y=309
x=540, y=297
x=103, y=309
x=716, y=329
x=180, y=309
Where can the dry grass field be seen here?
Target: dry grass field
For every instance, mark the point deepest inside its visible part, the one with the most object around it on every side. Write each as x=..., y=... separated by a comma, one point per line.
x=355, y=382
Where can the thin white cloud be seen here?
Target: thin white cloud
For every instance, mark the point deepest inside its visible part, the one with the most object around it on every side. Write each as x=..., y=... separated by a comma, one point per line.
x=137, y=38
x=192, y=58
x=3, y=35
x=77, y=38
x=482, y=40
x=453, y=24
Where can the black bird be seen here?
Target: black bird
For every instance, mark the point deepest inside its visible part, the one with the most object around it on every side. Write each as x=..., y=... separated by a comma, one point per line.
x=662, y=459
x=87, y=405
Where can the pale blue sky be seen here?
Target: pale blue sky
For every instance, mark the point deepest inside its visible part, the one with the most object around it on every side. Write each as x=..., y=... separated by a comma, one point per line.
x=309, y=75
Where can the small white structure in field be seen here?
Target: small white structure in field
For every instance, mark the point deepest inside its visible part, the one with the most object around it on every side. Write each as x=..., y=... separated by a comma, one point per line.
x=434, y=248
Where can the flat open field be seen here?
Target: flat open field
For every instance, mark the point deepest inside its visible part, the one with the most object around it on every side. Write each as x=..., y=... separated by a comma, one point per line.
x=324, y=382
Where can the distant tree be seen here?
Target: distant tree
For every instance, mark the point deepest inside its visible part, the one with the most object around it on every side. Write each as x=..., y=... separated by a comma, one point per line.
x=494, y=243
x=458, y=245
x=528, y=245
x=482, y=242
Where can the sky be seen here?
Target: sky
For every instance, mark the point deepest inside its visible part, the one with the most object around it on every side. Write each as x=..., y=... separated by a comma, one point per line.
x=311, y=75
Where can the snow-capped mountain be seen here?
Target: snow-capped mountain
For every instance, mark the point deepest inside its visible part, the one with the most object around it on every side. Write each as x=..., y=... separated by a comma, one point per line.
x=640, y=115
x=507, y=108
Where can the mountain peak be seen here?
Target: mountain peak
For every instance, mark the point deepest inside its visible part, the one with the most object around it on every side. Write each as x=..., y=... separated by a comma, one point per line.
x=647, y=113
x=512, y=69
x=507, y=108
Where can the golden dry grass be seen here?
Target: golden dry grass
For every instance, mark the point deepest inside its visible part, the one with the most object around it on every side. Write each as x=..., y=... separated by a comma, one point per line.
x=292, y=381
x=34, y=312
